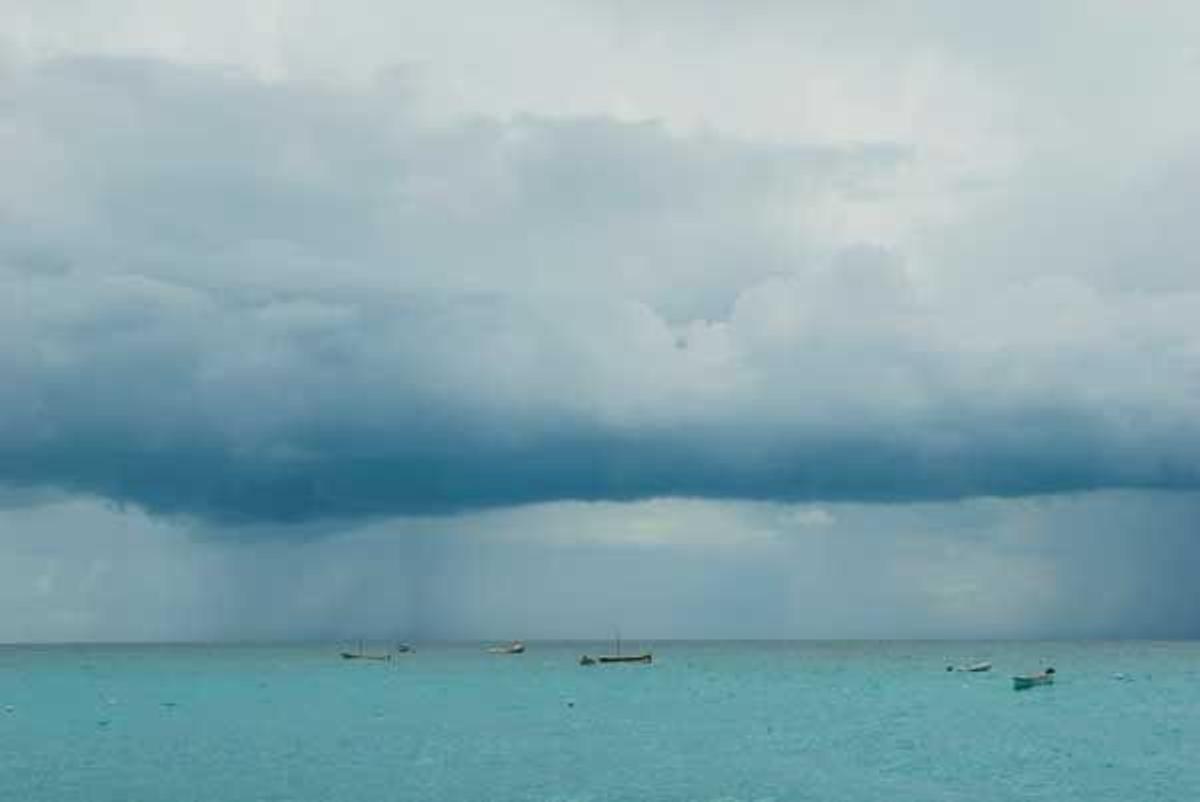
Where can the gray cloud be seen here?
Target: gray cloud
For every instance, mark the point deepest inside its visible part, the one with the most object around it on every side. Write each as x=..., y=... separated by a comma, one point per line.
x=273, y=302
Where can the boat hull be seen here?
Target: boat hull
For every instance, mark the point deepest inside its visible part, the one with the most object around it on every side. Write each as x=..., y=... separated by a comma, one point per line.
x=622, y=658
x=352, y=656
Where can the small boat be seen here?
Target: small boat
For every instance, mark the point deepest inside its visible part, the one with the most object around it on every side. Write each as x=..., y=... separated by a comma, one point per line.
x=357, y=656
x=973, y=668
x=1025, y=681
x=404, y=648
x=644, y=657
x=516, y=647
x=363, y=655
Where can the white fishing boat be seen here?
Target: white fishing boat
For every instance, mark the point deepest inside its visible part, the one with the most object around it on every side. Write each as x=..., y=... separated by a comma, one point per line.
x=1024, y=681
x=362, y=654
x=516, y=647
x=973, y=668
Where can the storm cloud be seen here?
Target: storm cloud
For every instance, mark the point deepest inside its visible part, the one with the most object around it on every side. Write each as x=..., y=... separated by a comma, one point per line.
x=274, y=301
x=445, y=320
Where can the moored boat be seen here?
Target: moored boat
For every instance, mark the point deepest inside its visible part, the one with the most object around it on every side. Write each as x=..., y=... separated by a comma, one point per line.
x=973, y=668
x=361, y=654
x=642, y=657
x=646, y=657
x=358, y=656
x=1024, y=681
x=516, y=647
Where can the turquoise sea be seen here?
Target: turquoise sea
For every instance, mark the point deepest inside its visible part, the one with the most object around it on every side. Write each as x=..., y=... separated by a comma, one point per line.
x=840, y=721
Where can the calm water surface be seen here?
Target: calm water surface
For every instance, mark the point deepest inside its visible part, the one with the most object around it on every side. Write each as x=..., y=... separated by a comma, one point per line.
x=708, y=721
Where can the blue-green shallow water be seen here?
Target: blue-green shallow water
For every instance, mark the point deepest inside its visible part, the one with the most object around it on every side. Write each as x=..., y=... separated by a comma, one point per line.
x=708, y=721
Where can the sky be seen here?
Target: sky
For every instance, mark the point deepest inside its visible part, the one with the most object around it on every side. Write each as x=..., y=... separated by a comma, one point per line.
x=766, y=320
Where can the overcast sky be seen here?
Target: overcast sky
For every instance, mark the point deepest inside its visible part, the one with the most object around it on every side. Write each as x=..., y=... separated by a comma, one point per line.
x=527, y=320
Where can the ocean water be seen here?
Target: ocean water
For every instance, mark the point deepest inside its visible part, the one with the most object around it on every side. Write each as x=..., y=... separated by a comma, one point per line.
x=841, y=721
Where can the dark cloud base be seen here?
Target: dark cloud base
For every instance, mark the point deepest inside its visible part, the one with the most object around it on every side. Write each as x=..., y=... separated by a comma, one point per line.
x=417, y=473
